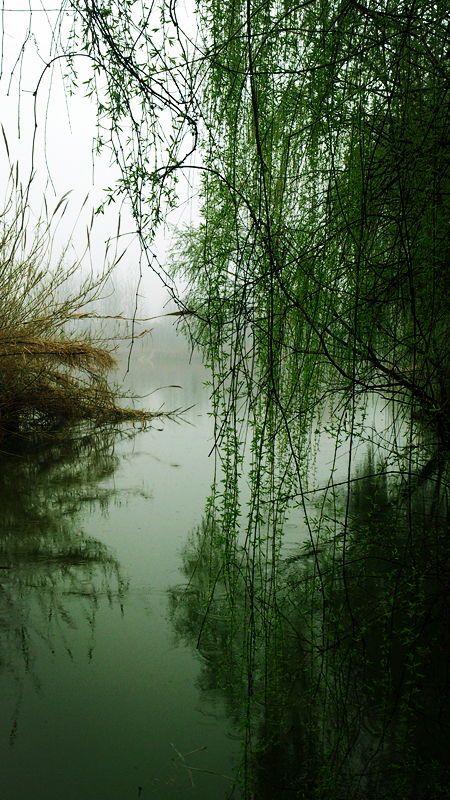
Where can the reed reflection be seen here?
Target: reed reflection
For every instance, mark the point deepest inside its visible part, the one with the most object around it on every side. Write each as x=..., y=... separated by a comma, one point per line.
x=52, y=575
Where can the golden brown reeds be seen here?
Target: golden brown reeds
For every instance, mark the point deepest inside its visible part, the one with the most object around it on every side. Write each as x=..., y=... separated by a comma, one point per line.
x=50, y=373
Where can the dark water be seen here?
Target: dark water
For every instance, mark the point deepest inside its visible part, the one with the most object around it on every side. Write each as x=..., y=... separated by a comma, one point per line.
x=98, y=697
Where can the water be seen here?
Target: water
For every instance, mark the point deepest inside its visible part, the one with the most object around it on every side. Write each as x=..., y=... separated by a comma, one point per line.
x=99, y=698
x=103, y=692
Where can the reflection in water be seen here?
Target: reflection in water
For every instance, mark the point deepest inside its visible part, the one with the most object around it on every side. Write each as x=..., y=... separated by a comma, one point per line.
x=52, y=575
x=82, y=539
x=335, y=667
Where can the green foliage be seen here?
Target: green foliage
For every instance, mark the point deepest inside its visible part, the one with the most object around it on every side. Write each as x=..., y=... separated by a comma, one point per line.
x=319, y=274
x=142, y=82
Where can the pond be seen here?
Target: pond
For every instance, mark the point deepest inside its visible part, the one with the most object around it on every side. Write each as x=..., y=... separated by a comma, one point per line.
x=140, y=656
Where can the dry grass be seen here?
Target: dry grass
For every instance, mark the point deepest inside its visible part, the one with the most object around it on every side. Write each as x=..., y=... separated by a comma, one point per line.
x=50, y=372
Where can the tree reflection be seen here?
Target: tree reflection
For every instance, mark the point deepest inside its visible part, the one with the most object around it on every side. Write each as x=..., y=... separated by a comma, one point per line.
x=52, y=575
x=335, y=670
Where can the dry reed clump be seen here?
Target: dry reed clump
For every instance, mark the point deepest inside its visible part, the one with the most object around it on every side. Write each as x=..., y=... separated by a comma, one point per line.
x=49, y=373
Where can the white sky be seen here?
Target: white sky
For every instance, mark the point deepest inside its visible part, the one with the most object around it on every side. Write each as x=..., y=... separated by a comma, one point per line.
x=63, y=151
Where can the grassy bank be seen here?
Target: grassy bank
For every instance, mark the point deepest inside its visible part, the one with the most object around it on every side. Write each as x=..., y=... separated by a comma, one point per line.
x=53, y=371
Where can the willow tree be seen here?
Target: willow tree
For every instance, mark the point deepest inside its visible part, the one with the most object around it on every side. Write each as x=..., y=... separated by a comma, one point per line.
x=324, y=240
x=318, y=276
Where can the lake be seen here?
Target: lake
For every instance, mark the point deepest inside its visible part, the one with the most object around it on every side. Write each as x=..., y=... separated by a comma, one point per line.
x=99, y=697
x=141, y=657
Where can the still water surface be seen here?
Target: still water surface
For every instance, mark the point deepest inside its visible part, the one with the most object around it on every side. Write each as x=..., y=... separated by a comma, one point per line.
x=99, y=699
